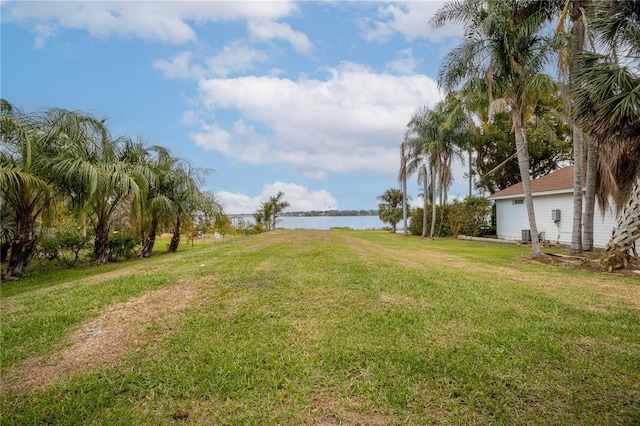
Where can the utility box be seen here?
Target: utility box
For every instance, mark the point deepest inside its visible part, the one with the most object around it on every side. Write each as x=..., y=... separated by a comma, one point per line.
x=555, y=215
x=526, y=235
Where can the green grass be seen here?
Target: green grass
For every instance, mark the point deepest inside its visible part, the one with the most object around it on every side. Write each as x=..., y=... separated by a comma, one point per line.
x=332, y=327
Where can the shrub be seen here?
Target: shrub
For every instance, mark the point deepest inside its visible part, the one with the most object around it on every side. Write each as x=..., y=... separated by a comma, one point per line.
x=49, y=247
x=122, y=246
x=72, y=242
x=469, y=217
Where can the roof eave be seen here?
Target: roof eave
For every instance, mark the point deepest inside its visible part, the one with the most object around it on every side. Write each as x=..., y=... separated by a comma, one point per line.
x=534, y=194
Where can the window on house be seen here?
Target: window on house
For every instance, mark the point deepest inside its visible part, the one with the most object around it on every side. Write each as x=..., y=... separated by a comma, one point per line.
x=518, y=201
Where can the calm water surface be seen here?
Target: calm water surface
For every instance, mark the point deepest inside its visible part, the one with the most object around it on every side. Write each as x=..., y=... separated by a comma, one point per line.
x=327, y=222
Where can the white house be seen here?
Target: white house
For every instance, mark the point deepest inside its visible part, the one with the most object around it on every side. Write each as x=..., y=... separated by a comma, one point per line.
x=553, y=205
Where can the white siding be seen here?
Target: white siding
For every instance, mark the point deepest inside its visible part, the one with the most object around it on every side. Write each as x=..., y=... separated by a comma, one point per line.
x=512, y=219
x=603, y=227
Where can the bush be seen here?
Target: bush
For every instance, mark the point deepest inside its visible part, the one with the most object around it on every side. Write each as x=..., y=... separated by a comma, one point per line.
x=122, y=246
x=49, y=247
x=443, y=228
x=52, y=246
x=469, y=217
x=73, y=242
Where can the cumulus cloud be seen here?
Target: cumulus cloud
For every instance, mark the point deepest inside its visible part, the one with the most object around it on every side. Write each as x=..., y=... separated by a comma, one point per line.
x=268, y=30
x=167, y=22
x=352, y=121
x=405, y=63
x=179, y=66
x=410, y=19
x=299, y=197
x=233, y=58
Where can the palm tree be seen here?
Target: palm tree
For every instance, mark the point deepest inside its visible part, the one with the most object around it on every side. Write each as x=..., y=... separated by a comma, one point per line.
x=99, y=174
x=24, y=189
x=388, y=210
x=402, y=178
x=423, y=178
x=502, y=44
x=155, y=203
x=574, y=10
x=277, y=205
x=183, y=189
x=607, y=99
x=424, y=126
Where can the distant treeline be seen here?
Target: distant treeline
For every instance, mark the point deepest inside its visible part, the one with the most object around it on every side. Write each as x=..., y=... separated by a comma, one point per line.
x=314, y=213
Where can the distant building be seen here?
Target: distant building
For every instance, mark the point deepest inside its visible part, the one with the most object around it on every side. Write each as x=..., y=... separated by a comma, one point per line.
x=553, y=205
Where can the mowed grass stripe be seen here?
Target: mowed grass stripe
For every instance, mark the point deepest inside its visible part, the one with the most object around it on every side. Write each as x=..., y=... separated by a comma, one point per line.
x=310, y=327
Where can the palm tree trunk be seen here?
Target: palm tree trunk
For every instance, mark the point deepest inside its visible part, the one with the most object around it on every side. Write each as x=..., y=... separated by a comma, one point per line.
x=470, y=173
x=101, y=242
x=590, y=195
x=523, y=163
x=404, y=204
x=22, y=247
x=425, y=201
x=175, y=239
x=578, y=162
x=433, y=204
x=150, y=240
x=626, y=232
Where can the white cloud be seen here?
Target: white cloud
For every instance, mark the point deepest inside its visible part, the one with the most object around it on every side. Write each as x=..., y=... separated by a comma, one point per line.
x=167, y=22
x=410, y=19
x=178, y=67
x=43, y=32
x=404, y=64
x=268, y=30
x=352, y=121
x=299, y=197
x=235, y=57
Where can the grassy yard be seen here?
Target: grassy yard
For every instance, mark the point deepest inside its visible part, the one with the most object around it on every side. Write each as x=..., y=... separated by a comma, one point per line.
x=325, y=328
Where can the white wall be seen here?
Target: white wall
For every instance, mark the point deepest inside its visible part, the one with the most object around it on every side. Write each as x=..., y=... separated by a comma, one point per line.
x=512, y=219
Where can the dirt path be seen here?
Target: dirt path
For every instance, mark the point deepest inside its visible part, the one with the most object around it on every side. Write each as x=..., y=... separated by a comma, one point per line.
x=117, y=330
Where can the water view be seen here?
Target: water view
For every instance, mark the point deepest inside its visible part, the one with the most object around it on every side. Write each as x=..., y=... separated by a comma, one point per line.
x=328, y=222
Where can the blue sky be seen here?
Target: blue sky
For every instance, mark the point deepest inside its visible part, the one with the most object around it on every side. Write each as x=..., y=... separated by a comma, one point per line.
x=311, y=98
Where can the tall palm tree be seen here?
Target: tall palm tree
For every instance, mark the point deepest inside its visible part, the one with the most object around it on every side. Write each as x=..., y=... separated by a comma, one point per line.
x=425, y=125
x=23, y=184
x=423, y=178
x=502, y=44
x=402, y=178
x=607, y=99
x=574, y=11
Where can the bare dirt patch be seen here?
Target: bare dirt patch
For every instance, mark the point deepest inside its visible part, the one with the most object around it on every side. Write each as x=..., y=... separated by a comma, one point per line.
x=330, y=412
x=104, y=340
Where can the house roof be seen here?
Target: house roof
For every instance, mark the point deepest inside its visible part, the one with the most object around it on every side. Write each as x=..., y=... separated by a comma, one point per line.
x=559, y=181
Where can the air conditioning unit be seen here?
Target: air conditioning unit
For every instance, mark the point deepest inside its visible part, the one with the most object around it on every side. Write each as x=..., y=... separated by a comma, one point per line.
x=555, y=215
x=526, y=235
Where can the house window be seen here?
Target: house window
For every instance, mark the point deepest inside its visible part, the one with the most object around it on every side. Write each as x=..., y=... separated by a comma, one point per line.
x=518, y=201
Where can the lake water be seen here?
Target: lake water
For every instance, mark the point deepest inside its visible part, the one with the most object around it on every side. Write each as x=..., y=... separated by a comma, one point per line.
x=327, y=222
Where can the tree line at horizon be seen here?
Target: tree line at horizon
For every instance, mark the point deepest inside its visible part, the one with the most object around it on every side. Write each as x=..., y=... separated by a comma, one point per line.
x=63, y=172
x=514, y=122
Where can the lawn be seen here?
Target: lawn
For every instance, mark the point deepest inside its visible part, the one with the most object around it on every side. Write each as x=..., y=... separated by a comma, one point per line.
x=325, y=328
